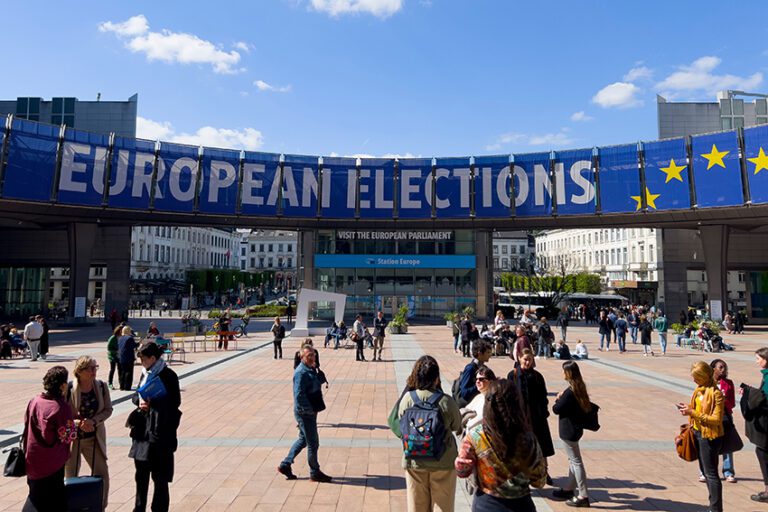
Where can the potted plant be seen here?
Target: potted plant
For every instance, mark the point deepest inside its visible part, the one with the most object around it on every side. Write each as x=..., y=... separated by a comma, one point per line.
x=399, y=324
x=451, y=318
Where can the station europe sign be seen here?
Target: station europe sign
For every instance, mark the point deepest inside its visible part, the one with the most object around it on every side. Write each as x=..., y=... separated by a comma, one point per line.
x=394, y=261
x=51, y=164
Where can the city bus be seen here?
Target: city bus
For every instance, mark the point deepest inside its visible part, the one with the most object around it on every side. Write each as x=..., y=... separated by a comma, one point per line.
x=541, y=302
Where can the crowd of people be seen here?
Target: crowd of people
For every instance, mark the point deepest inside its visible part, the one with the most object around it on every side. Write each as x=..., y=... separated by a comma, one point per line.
x=66, y=423
x=32, y=341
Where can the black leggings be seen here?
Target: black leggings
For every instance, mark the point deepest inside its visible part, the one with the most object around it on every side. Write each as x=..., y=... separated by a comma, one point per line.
x=125, y=374
x=47, y=494
x=112, y=368
x=278, y=346
x=762, y=459
x=359, y=354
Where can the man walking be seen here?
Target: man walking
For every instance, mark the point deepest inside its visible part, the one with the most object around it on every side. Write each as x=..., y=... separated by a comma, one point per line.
x=289, y=312
x=33, y=331
x=379, y=330
x=660, y=325
x=358, y=332
x=307, y=402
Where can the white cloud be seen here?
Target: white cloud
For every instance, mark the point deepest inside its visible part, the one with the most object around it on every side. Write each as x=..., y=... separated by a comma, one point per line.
x=556, y=139
x=264, y=86
x=172, y=47
x=242, y=46
x=698, y=78
x=246, y=138
x=618, y=95
x=638, y=73
x=379, y=8
x=580, y=116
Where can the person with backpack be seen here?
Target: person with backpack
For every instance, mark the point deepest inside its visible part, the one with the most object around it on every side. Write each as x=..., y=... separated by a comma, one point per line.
x=503, y=452
x=572, y=405
x=278, y=334
x=621, y=333
x=563, y=319
x=546, y=337
x=465, y=388
x=456, y=336
x=604, y=328
x=426, y=420
x=466, y=330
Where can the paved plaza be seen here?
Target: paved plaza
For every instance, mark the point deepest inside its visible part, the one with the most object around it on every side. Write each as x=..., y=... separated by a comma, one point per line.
x=238, y=424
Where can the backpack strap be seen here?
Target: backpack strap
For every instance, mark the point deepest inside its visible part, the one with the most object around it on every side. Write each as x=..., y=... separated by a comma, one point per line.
x=435, y=398
x=416, y=400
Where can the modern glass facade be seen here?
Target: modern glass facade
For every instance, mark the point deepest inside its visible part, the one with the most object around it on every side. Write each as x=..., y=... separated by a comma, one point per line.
x=22, y=291
x=432, y=273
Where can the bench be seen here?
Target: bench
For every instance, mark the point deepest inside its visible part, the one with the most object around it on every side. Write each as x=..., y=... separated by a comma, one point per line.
x=232, y=335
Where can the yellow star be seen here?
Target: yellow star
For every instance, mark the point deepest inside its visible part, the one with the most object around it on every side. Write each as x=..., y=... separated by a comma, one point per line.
x=673, y=171
x=715, y=157
x=761, y=161
x=650, y=199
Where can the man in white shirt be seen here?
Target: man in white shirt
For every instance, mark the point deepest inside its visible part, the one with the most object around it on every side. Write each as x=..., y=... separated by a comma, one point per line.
x=33, y=331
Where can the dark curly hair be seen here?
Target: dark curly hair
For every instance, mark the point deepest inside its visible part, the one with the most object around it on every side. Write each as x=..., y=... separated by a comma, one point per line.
x=424, y=375
x=504, y=417
x=53, y=380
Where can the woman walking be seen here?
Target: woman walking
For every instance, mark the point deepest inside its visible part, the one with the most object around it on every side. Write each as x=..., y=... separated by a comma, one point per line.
x=645, y=329
x=126, y=356
x=48, y=431
x=726, y=387
x=430, y=483
x=278, y=333
x=754, y=406
x=112, y=355
x=705, y=411
x=572, y=405
x=153, y=430
x=503, y=452
x=90, y=401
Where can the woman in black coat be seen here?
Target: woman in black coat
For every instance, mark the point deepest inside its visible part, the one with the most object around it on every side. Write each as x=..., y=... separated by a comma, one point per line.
x=153, y=428
x=645, y=329
x=533, y=389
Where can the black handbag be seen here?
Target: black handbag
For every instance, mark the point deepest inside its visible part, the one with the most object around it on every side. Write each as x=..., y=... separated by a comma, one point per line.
x=16, y=464
x=591, y=420
x=85, y=493
x=731, y=439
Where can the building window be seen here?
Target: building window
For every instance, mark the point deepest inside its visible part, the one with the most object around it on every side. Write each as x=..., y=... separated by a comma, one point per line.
x=270, y=249
x=289, y=248
x=504, y=263
x=28, y=108
x=270, y=262
x=496, y=262
x=503, y=249
x=242, y=251
x=279, y=247
x=261, y=247
x=495, y=249
x=261, y=262
x=290, y=262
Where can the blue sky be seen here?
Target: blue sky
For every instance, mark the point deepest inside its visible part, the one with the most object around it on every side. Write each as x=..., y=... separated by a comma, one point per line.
x=387, y=77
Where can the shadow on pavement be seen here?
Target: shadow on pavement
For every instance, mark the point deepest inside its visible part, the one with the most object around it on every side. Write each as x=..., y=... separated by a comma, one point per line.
x=354, y=425
x=378, y=482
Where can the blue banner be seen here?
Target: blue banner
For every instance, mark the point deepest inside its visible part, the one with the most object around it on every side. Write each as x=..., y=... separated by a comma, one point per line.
x=176, y=181
x=377, y=188
x=394, y=261
x=415, y=188
x=300, y=186
x=260, y=184
x=493, y=194
x=31, y=161
x=717, y=170
x=620, y=179
x=339, y=188
x=575, y=180
x=219, y=182
x=130, y=181
x=533, y=188
x=666, y=175
x=755, y=147
x=83, y=168
x=452, y=188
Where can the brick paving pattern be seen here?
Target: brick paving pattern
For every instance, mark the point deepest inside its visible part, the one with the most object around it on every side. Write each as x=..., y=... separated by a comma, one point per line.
x=238, y=424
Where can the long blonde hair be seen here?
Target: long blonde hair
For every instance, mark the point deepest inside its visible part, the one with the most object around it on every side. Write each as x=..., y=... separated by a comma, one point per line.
x=576, y=382
x=704, y=371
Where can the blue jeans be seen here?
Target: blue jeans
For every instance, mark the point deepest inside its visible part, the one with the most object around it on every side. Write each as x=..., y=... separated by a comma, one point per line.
x=663, y=342
x=607, y=338
x=622, y=340
x=633, y=333
x=456, y=342
x=308, y=439
x=544, y=349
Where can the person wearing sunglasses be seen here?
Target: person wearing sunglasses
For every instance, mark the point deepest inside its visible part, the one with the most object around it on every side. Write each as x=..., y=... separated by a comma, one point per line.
x=472, y=414
x=91, y=405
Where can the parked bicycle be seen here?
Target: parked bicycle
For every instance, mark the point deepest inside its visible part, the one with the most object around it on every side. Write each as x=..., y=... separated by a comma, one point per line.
x=242, y=329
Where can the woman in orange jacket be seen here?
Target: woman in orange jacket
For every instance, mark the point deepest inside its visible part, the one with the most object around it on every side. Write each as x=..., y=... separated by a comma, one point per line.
x=705, y=411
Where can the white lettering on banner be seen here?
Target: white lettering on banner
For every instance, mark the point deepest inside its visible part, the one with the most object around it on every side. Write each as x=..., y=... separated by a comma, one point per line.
x=541, y=182
x=380, y=202
x=522, y=185
x=251, y=183
x=440, y=202
x=143, y=179
x=272, y=199
x=69, y=167
x=99, y=166
x=216, y=181
x=289, y=187
x=502, y=187
x=464, y=176
x=487, y=176
x=407, y=188
x=579, y=179
x=364, y=189
x=121, y=173
x=174, y=179
x=309, y=187
x=351, y=188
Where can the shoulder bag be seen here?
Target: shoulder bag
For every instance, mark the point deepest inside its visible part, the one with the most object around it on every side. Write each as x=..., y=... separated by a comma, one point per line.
x=685, y=443
x=16, y=464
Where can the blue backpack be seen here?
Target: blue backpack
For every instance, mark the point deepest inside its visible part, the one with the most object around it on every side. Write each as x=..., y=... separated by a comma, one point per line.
x=423, y=429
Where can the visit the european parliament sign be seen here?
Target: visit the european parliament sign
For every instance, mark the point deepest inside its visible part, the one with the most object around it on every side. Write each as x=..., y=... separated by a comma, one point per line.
x=55, y=165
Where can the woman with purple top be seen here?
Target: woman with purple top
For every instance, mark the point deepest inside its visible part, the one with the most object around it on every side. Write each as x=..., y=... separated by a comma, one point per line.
x=48, y=431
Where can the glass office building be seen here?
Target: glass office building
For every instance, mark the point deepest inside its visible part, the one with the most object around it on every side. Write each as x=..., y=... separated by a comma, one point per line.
x=430, y=272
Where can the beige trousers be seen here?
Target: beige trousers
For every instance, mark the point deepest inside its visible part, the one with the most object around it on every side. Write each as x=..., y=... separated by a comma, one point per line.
x=430, y=491
x=98, y=465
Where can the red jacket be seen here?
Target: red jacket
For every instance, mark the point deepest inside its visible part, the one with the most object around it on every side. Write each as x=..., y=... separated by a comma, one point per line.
x=729, y=392
x=50, y=430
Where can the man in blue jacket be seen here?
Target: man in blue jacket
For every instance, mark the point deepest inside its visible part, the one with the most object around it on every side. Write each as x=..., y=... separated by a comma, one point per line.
x=307, y=402
x=481, y=354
